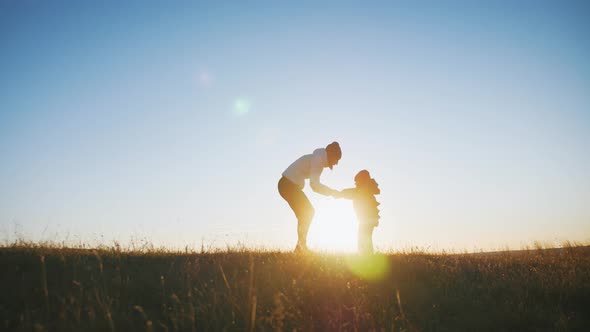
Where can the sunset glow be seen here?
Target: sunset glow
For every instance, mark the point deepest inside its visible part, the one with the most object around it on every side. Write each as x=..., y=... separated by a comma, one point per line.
x=334, y=227
x=173, y=121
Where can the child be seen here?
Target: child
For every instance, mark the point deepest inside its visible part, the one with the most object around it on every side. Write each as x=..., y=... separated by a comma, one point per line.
x=365, y=205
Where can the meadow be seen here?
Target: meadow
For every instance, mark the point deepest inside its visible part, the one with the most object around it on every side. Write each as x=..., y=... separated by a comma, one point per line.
x=52, y=288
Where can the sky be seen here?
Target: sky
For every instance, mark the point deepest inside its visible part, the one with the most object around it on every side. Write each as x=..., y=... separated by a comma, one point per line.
x=169, y=123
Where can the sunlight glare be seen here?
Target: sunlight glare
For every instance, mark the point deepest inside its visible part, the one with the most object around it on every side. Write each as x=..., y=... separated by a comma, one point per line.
x=369, y=267
x=241, y=107
x=334, y=226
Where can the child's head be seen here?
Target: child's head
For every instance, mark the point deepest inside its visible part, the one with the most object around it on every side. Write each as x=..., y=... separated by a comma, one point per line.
x=362, y=177
x=363, y=180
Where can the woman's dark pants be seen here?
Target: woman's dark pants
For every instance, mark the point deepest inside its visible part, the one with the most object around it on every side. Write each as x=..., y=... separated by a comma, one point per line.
x=300, y=205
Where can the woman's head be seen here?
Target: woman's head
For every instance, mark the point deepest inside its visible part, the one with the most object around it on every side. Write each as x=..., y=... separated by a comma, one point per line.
x=334, y=154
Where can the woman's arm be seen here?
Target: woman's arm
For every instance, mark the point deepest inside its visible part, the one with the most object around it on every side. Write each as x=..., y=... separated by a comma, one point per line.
x=317, y=164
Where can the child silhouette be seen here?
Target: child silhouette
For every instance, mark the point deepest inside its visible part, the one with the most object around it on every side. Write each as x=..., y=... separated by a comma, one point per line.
x=365, y=206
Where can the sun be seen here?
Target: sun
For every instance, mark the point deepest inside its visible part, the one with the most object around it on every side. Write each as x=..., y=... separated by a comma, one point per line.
x=334, y=226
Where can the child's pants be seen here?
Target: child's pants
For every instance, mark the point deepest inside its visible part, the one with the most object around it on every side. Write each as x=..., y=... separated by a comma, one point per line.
x=365, y=238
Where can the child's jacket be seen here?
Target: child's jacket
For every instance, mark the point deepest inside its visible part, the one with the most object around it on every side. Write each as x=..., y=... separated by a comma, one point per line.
x=364, y=202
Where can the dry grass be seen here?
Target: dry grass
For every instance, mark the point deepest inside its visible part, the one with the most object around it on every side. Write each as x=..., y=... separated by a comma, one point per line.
x=48, y=287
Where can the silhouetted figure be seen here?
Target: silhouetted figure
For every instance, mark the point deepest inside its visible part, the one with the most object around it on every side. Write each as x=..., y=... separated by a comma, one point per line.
x=309, y=166
x=365, y=205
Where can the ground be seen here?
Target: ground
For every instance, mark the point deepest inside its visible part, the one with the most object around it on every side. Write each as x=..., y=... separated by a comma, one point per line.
x=109, y=289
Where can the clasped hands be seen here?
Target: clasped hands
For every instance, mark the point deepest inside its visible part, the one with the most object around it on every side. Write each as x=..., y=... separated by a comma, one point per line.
x=336, y=193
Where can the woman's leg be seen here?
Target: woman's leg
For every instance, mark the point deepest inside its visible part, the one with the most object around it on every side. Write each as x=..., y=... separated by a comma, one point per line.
x=304, y=212
x=301, y=206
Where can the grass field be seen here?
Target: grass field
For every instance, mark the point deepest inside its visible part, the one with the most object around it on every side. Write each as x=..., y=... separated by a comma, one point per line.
x=59, y=289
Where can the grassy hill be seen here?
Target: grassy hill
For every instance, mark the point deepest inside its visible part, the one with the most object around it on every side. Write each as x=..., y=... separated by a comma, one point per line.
x=60, y=289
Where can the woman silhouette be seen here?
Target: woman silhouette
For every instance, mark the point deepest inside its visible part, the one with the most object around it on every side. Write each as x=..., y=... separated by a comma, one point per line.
x=309, y=166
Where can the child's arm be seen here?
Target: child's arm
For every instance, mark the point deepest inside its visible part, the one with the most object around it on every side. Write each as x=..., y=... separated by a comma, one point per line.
x=349, y=193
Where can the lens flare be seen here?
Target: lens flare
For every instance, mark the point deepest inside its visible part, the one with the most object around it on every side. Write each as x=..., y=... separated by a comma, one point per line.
x=205, y=79
x=241, y=107
x=368, y=267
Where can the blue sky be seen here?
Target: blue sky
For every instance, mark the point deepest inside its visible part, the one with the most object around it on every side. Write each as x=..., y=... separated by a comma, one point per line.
x=172, y=122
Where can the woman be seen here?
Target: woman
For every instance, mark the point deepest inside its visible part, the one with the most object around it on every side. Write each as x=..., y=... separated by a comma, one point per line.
x=309, y=166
